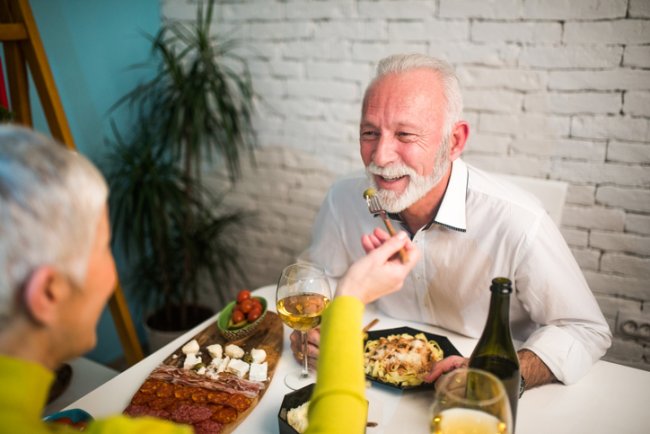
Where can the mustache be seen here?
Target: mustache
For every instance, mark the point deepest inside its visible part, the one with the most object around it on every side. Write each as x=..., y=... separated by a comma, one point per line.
x=392, y=171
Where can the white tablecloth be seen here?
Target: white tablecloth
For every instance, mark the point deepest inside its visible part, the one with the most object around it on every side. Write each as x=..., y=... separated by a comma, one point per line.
x=610, y=399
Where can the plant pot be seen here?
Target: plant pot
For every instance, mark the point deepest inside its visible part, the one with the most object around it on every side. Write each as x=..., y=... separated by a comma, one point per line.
x=160, y=332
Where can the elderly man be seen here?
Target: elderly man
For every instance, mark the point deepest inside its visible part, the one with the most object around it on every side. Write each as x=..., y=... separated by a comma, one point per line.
x=56, y=274
x=469, y=226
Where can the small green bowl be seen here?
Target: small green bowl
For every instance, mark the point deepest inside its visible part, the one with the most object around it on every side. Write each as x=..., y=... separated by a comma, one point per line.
x=240, y=333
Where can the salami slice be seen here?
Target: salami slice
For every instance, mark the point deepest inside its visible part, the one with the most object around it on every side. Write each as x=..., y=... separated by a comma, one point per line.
x=143, y=410
x=225, y=415
x=208, y=427
x=191, y=414
x=239, y=402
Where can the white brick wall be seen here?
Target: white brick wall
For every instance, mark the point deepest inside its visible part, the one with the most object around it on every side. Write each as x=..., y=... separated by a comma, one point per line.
x=556, y=89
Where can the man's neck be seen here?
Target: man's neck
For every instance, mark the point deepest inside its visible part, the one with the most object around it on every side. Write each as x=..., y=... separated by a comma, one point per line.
x=423, y=211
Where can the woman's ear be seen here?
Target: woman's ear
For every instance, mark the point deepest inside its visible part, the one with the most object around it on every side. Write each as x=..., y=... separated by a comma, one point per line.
x=42, y=295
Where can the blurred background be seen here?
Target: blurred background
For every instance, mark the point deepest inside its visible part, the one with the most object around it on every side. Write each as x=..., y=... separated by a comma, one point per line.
x=553, y=89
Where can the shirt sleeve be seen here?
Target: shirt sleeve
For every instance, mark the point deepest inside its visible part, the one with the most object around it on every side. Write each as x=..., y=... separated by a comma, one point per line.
x=574, y=333
x=140, y=425
x=339, y=400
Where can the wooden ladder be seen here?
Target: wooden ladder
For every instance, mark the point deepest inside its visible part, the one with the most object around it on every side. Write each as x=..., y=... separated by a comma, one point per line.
x=23, y=49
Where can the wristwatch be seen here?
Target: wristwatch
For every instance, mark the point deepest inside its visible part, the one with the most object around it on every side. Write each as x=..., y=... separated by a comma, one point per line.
x=522, y=386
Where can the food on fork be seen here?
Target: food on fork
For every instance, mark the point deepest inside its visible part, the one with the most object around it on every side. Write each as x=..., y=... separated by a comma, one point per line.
x=376, y=209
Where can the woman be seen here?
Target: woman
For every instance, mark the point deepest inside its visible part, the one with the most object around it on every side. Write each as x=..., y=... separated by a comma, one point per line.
x=338, y=403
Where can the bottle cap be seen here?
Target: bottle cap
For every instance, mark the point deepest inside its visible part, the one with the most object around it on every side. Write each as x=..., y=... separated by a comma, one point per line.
x=502, y=285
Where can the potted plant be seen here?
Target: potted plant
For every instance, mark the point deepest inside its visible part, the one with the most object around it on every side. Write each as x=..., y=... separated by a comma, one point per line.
x=169, y=226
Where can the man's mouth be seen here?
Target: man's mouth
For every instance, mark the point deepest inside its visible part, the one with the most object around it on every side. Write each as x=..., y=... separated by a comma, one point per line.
x=388, y=180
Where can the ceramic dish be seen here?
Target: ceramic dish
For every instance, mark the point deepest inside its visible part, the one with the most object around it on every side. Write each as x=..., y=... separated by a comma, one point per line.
x=242, y=332
x=74, y=417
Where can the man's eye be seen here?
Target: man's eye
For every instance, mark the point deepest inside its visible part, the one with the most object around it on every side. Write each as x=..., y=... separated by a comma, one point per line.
x=406, y=137
x=369, y=134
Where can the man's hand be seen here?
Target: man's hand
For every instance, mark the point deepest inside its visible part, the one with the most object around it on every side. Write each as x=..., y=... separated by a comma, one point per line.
x=313, y=339
x=445, y=365
x=532, y=368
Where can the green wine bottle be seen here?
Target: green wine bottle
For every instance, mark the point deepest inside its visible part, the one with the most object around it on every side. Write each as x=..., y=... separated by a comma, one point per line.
x=495, y=351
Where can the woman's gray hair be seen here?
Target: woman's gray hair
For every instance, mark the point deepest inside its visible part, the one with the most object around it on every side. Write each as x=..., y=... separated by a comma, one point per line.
x=51, y=200
x=400, y=63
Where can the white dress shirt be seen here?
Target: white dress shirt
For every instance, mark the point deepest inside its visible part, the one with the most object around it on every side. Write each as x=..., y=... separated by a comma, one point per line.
x=484, y=228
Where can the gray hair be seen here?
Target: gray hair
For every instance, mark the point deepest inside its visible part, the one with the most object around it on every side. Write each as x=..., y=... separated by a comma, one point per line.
x=400, y=63
x=51, y=200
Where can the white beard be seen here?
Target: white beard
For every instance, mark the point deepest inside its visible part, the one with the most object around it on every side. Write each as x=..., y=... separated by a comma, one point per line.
x=418, y=185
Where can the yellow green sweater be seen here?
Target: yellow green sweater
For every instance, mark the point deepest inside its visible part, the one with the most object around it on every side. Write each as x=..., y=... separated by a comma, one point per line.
x=338, y=404
x=24, y=388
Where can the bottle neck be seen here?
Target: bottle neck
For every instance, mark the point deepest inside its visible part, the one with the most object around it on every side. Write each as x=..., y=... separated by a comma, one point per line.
x=499, y=313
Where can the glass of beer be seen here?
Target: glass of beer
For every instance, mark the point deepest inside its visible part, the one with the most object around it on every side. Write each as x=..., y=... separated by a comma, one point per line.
x=302, y=295
x=470, y=401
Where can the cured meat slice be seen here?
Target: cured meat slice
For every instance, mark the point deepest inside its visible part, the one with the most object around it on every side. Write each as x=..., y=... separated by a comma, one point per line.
x=191, y=414
x=239, y=402
x=208, y=427
x=225, y=415
x=225, y=382
x=143, y=410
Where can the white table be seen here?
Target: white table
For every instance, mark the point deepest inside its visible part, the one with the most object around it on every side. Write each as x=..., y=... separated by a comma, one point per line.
x=86, y=376
x=611, y=398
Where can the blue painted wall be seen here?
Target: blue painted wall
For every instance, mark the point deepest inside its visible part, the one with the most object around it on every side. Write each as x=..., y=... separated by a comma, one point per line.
x=90, y=47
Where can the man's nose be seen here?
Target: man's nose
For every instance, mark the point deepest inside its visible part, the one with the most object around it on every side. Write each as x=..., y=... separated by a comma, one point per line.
x=385, y=151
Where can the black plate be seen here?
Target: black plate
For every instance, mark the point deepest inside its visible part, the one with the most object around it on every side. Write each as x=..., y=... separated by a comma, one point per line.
x=447, y=347
x=293, y=400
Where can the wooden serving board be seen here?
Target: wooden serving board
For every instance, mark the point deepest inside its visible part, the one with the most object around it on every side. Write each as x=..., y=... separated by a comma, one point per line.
x=203, y=405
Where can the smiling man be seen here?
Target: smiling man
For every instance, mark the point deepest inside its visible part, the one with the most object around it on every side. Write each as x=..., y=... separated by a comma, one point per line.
x=469, y=226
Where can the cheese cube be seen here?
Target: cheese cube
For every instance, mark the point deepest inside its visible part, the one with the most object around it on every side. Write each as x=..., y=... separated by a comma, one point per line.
x=191, y=360
x=192, y=347
x=234, y=352
x=258, y=372
x=238, y=367
x=258, y=356
x=223, y=365
x=212, y=374
x=215, y=350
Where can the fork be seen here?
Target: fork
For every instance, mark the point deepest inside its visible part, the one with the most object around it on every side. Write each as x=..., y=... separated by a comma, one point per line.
x=375, y=208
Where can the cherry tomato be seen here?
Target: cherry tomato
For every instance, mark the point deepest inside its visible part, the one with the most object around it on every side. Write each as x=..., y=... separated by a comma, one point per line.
x=257, y=303
x=253, y=315
x=237, y=316
x=244, y=294
x=246, y=305
x=257, y=309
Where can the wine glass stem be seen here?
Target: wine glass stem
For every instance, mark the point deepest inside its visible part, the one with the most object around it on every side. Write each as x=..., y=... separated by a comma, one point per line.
x=305, y=362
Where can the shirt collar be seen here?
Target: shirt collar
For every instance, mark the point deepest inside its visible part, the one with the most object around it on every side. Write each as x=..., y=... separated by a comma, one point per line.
x=452, y=208
x=451, y=212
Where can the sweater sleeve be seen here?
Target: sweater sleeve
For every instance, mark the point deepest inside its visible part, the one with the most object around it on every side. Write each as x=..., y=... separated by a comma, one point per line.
x=338, y=402
x=140, y=425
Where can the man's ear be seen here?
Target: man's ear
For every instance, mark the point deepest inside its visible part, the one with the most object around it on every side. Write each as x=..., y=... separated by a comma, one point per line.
x=42, y=294
x=459, y=135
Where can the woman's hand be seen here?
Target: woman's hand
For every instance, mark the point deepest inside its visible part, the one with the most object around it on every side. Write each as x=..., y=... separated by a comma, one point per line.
x=380, y=272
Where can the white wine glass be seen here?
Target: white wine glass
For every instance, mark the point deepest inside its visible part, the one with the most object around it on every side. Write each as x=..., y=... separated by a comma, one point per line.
x=302, y=295
x=470, y=401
